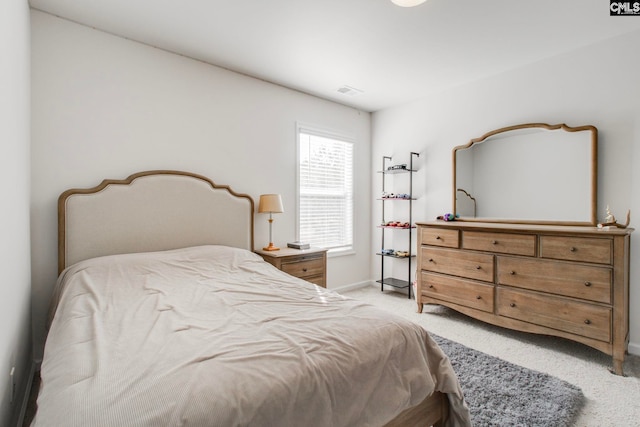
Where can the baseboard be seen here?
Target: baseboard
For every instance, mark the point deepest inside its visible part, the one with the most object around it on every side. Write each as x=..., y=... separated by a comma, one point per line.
x=634, y=349
x=352, y=286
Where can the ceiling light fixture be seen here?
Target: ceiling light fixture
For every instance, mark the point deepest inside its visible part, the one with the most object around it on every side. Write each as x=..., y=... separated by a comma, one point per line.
x=408, y=3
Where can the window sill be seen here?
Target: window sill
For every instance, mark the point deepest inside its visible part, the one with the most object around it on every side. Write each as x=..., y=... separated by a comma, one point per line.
x=332, y=253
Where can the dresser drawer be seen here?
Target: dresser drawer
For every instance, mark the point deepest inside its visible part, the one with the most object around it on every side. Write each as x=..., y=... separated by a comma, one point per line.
x=304, y=267
x=516, y=244
x=577, y=249
x=562, y=278
x=439, y=237
x=588, y=320
x=458, y=291
x=471, y=265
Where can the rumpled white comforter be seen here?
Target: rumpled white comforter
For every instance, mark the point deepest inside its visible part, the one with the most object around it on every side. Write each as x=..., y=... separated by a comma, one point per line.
x=215, y=336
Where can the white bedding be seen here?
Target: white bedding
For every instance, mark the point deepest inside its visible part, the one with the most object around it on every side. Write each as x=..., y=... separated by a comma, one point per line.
x=214, y=336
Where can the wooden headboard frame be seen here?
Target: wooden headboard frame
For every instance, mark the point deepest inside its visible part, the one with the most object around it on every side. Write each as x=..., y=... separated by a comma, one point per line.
x=151, y=211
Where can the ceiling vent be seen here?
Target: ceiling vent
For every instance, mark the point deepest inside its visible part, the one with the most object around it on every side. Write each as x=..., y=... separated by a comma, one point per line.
x=350, y=91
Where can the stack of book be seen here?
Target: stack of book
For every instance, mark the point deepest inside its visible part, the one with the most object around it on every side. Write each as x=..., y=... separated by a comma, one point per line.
x=299, y=245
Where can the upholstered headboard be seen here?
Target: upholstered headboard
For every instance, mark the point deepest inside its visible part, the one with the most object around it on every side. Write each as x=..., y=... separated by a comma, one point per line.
x=151, y=211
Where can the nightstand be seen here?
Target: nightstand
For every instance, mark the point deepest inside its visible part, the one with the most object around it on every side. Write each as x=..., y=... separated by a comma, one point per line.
x=307, y=264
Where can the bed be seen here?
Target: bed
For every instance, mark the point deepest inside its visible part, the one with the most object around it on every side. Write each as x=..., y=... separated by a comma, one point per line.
x=163, y=316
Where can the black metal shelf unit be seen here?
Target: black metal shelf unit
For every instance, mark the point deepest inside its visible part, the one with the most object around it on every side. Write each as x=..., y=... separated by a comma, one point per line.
x=406, y=255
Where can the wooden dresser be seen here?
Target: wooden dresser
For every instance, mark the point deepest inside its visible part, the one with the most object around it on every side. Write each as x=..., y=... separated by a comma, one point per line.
x=567, y=281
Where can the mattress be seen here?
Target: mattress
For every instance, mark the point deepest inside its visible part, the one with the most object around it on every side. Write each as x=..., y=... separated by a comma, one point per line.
x=215, y=336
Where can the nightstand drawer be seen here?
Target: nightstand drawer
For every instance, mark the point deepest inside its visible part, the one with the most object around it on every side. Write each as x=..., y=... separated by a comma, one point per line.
x=306, y=264
x=317, y=280
x=304, y=267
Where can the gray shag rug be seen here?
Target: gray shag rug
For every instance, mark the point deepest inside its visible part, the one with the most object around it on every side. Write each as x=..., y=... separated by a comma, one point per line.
x=500, y=393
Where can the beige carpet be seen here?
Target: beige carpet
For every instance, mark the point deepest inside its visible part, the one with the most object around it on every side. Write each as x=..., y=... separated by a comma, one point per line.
x=611, y=400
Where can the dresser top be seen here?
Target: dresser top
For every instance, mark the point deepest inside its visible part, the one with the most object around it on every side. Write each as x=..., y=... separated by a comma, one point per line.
x=493, y=226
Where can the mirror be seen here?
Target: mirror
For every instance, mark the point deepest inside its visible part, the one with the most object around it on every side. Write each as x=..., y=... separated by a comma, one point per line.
x=530, y=173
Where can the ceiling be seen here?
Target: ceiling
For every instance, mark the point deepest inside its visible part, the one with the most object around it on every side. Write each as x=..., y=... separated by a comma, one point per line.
x=391, y=54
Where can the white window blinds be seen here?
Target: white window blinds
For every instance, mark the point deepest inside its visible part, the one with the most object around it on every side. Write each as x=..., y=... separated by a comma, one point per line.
x=325, y=179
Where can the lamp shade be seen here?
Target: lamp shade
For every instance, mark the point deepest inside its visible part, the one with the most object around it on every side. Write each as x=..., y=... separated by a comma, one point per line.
x=270, y=203
x=408, y=3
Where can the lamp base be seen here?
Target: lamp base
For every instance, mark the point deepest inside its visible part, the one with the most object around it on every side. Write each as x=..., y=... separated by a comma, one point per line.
x=271, y=247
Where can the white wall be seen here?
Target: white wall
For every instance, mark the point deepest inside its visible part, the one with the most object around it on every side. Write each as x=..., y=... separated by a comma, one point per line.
x=15, y=324
x=594, y=85
x=106, y=107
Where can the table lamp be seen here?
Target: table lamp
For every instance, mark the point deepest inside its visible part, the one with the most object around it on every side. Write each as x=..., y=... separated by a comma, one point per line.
x=271, y=203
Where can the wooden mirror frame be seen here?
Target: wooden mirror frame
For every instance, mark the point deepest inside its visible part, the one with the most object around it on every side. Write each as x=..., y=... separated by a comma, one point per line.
x=594, y=172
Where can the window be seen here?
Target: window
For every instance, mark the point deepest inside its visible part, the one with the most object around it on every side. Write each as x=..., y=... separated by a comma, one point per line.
x=325, y=190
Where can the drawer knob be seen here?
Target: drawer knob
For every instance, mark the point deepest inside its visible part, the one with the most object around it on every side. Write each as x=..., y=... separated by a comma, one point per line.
x=478, y=297
x=495, y=242
x=572, y=249
x=513, y=304
x=438, y=238
x=430, y=259
x=513, y=273
x=478, y=267
x=587, y=322
x=304, y=269
x=587, y=284
x=431, y=286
